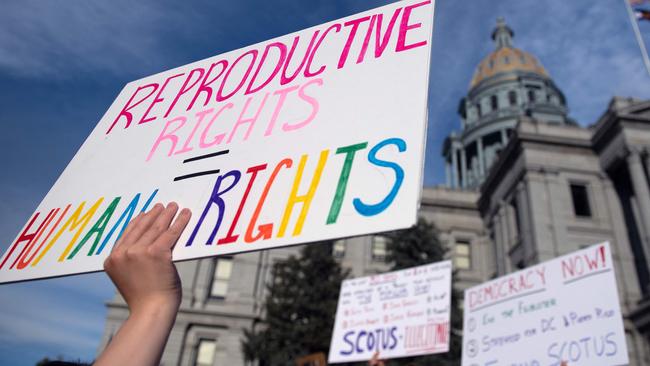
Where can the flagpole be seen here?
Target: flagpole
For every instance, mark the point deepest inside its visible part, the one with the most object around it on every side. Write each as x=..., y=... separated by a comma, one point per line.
x=637, y=33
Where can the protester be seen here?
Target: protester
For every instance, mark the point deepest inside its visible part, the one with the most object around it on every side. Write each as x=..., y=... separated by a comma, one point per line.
x=141, y=268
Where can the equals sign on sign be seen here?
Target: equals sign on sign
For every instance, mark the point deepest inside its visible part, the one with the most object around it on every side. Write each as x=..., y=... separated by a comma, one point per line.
x=205, y=172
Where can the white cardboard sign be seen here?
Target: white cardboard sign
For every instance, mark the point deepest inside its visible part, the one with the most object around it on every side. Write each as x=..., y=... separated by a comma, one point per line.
x=314, y=135
x=562, y=310
x=400, y=314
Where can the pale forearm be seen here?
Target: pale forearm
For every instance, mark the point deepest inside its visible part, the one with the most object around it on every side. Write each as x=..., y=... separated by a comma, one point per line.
x=141, y=268
x=142, y=338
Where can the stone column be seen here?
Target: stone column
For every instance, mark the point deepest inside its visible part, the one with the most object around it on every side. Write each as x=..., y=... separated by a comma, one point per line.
x=525, y=231
x=557, y=210
x=199, y=291
x=187, y=271
x=463, y=168
x=513, y=234
x=504, y=137
x=500, y=227
x=448, y=173
x=647, y=161
x=627, y=281
x=498, y=243
x=541, y=216
x=642, y=194
x=454, y=163
x=507, y=238
x=481, y=158
x=175, y=346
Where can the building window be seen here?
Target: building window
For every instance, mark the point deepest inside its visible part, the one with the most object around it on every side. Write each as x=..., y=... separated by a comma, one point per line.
x=222, y=271
x=506, y=60
x=523, y=59
x=494, y=102
x=512, y=98
x=491, y=64
x=478, y=109
x=338, y=249
x=531, y=96
x=379, y=245
x=462, y=254
x=205, y=352
x=580, y=198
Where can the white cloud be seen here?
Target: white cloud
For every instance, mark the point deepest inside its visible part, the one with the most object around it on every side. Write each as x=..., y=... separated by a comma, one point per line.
x=66, y=314
x=587, y=47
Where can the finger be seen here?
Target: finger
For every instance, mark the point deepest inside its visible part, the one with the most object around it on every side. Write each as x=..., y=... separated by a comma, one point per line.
x=128, y=229
x=167, y=239
x=159, y=226
x=142, y=225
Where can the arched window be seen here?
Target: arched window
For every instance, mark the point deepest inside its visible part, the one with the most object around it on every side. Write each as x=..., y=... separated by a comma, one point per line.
x=531, y=96
x=512, y=97
x=494, y=102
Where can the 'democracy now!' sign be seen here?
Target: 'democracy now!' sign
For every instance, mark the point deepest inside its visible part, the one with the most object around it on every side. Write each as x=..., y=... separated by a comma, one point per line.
x=562, y=310
x=314, y=135
x=398, y=314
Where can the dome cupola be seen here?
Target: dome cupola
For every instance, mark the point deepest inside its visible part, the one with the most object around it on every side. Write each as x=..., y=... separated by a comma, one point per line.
x=505, y=58
x=507, y=84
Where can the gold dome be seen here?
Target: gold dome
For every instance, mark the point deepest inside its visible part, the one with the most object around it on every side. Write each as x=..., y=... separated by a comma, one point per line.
x=505, y=57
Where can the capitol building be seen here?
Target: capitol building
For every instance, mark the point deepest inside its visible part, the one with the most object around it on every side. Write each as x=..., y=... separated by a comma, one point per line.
x=525, y=184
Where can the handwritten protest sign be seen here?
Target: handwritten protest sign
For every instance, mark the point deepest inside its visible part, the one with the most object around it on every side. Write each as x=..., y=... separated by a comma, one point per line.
x=314, y=135
x=563, y=310
x=400, y=314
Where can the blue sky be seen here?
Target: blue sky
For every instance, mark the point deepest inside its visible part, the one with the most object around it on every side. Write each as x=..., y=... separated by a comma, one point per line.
x=62, y=63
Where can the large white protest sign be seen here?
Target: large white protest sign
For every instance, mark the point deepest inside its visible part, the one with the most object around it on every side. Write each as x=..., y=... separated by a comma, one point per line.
x=314, y=135
x=563, y=310
x=400, y=314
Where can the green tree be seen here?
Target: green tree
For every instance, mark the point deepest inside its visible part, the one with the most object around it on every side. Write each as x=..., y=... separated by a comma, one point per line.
x=414, y=247
x=299, y=308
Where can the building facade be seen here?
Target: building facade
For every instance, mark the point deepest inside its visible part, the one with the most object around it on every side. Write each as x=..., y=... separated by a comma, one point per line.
x=525, y=184
x=546, y=186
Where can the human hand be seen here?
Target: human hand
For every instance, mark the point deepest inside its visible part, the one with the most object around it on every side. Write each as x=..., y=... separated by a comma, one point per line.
x=375, y=361
x=141, y=267
x=141, y=264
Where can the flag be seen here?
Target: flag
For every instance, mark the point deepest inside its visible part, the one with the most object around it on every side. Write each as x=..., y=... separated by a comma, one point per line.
x=637, y=15
x=642, y=14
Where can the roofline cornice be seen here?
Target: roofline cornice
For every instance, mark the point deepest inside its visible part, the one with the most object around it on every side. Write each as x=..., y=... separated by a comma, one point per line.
x=512, y=151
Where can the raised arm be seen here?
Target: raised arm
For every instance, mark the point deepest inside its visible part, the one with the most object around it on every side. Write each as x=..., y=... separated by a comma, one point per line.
x=141, y=268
